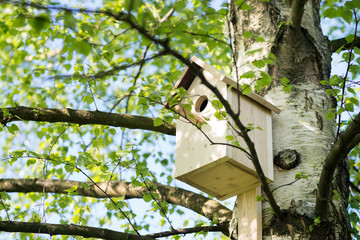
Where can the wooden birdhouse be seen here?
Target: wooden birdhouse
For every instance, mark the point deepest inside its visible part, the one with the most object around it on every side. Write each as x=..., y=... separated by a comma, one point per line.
x=220, y=170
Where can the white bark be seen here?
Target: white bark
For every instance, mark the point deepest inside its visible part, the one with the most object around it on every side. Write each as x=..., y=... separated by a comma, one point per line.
x=301, y=125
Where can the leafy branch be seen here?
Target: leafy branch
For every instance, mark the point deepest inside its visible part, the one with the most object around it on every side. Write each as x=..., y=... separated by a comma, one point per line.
x=82, y=117
x=209, y=208
x=62, y=229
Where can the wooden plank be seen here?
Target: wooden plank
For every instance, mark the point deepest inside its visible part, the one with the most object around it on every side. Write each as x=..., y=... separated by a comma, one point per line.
x=230, y=82
x=221, y=180
x=192, y=117
x=186, y=78
x=250, y=215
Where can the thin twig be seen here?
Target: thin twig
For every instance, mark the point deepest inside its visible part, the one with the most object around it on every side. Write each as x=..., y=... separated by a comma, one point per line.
x=5, y=208
x=346, y=75
x=91, y=91
x=112, y=201
x=185, y=231
x=156, y=201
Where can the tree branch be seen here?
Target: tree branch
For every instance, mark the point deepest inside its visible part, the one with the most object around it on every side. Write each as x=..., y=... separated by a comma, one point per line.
x=354, y=187
x=83, y=117
x=167, y=15
x=297, y=11
x=219, y=228
x=210, y=209
x=340, y=149
x=111, y=71
x=337, y=43
x=72, y=229
x=352, y=143
x=164, y=43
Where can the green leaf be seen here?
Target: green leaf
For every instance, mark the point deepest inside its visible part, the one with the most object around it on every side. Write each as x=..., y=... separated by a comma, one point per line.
x=13, y=128
x=260, y=39
x=17, y=153
x=349, y=106
x=350, y=5
x=5, y=196
x=217, y=104
x=158, y=122
x=330, y=115
x=354, y=69
x=79, y=67
x=324, y=82
x=311, y=228
x=69, y=20
x=247, y=34
x=88, y=99
x=335, y=80
x=349, y=89
x=273, y=57
x=317, y=220
x=20, y=21
x=249, y=74
x=40, y=22
x=229, y=137
x=244, y=6
x=246, y=89
x=179, y=5
x=330, y=13
x=347, y=15
x=31, y=161
x=147, y=198
x=82, y=47
x=264, y=81
x=349, y=38
x=85, y=186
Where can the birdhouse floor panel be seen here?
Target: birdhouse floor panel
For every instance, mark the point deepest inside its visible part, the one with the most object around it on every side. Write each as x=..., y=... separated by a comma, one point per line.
x=221, y=180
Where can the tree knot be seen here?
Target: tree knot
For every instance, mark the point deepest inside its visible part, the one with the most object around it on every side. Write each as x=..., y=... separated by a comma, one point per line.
x=287, y=159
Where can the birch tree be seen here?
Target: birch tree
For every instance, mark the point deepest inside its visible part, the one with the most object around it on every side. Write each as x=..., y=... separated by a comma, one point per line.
x=85, y=132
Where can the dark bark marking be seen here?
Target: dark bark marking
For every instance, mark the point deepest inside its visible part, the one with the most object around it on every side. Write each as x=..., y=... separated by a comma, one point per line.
x=319, y=120
x=287, y=159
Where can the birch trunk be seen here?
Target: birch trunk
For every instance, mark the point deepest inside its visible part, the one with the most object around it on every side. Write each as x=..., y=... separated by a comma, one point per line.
x=302, y=136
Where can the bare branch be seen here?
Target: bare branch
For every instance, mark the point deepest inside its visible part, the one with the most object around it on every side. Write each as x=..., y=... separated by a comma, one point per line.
x=72, y=229
x=111, y=71
x=345, y=78
x=208, y=36
x=352, y=143
x=167, y=15
x=82, y=117
x=219, y=228
x=354, y=187
x=210, y=209
x=339, y=150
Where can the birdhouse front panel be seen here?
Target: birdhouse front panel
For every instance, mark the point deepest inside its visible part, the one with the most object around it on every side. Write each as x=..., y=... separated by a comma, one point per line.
x=202, y=159
x=258, y=119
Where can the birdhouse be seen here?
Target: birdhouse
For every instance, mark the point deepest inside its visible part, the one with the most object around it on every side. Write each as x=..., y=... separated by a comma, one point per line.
x=219, y=169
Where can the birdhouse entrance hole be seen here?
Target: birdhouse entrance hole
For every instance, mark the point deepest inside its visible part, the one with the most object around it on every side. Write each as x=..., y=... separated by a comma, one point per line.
x=201, y=103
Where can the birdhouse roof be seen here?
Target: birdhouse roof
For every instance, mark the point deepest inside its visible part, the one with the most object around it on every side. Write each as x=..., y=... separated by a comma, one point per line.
x=187, y=77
